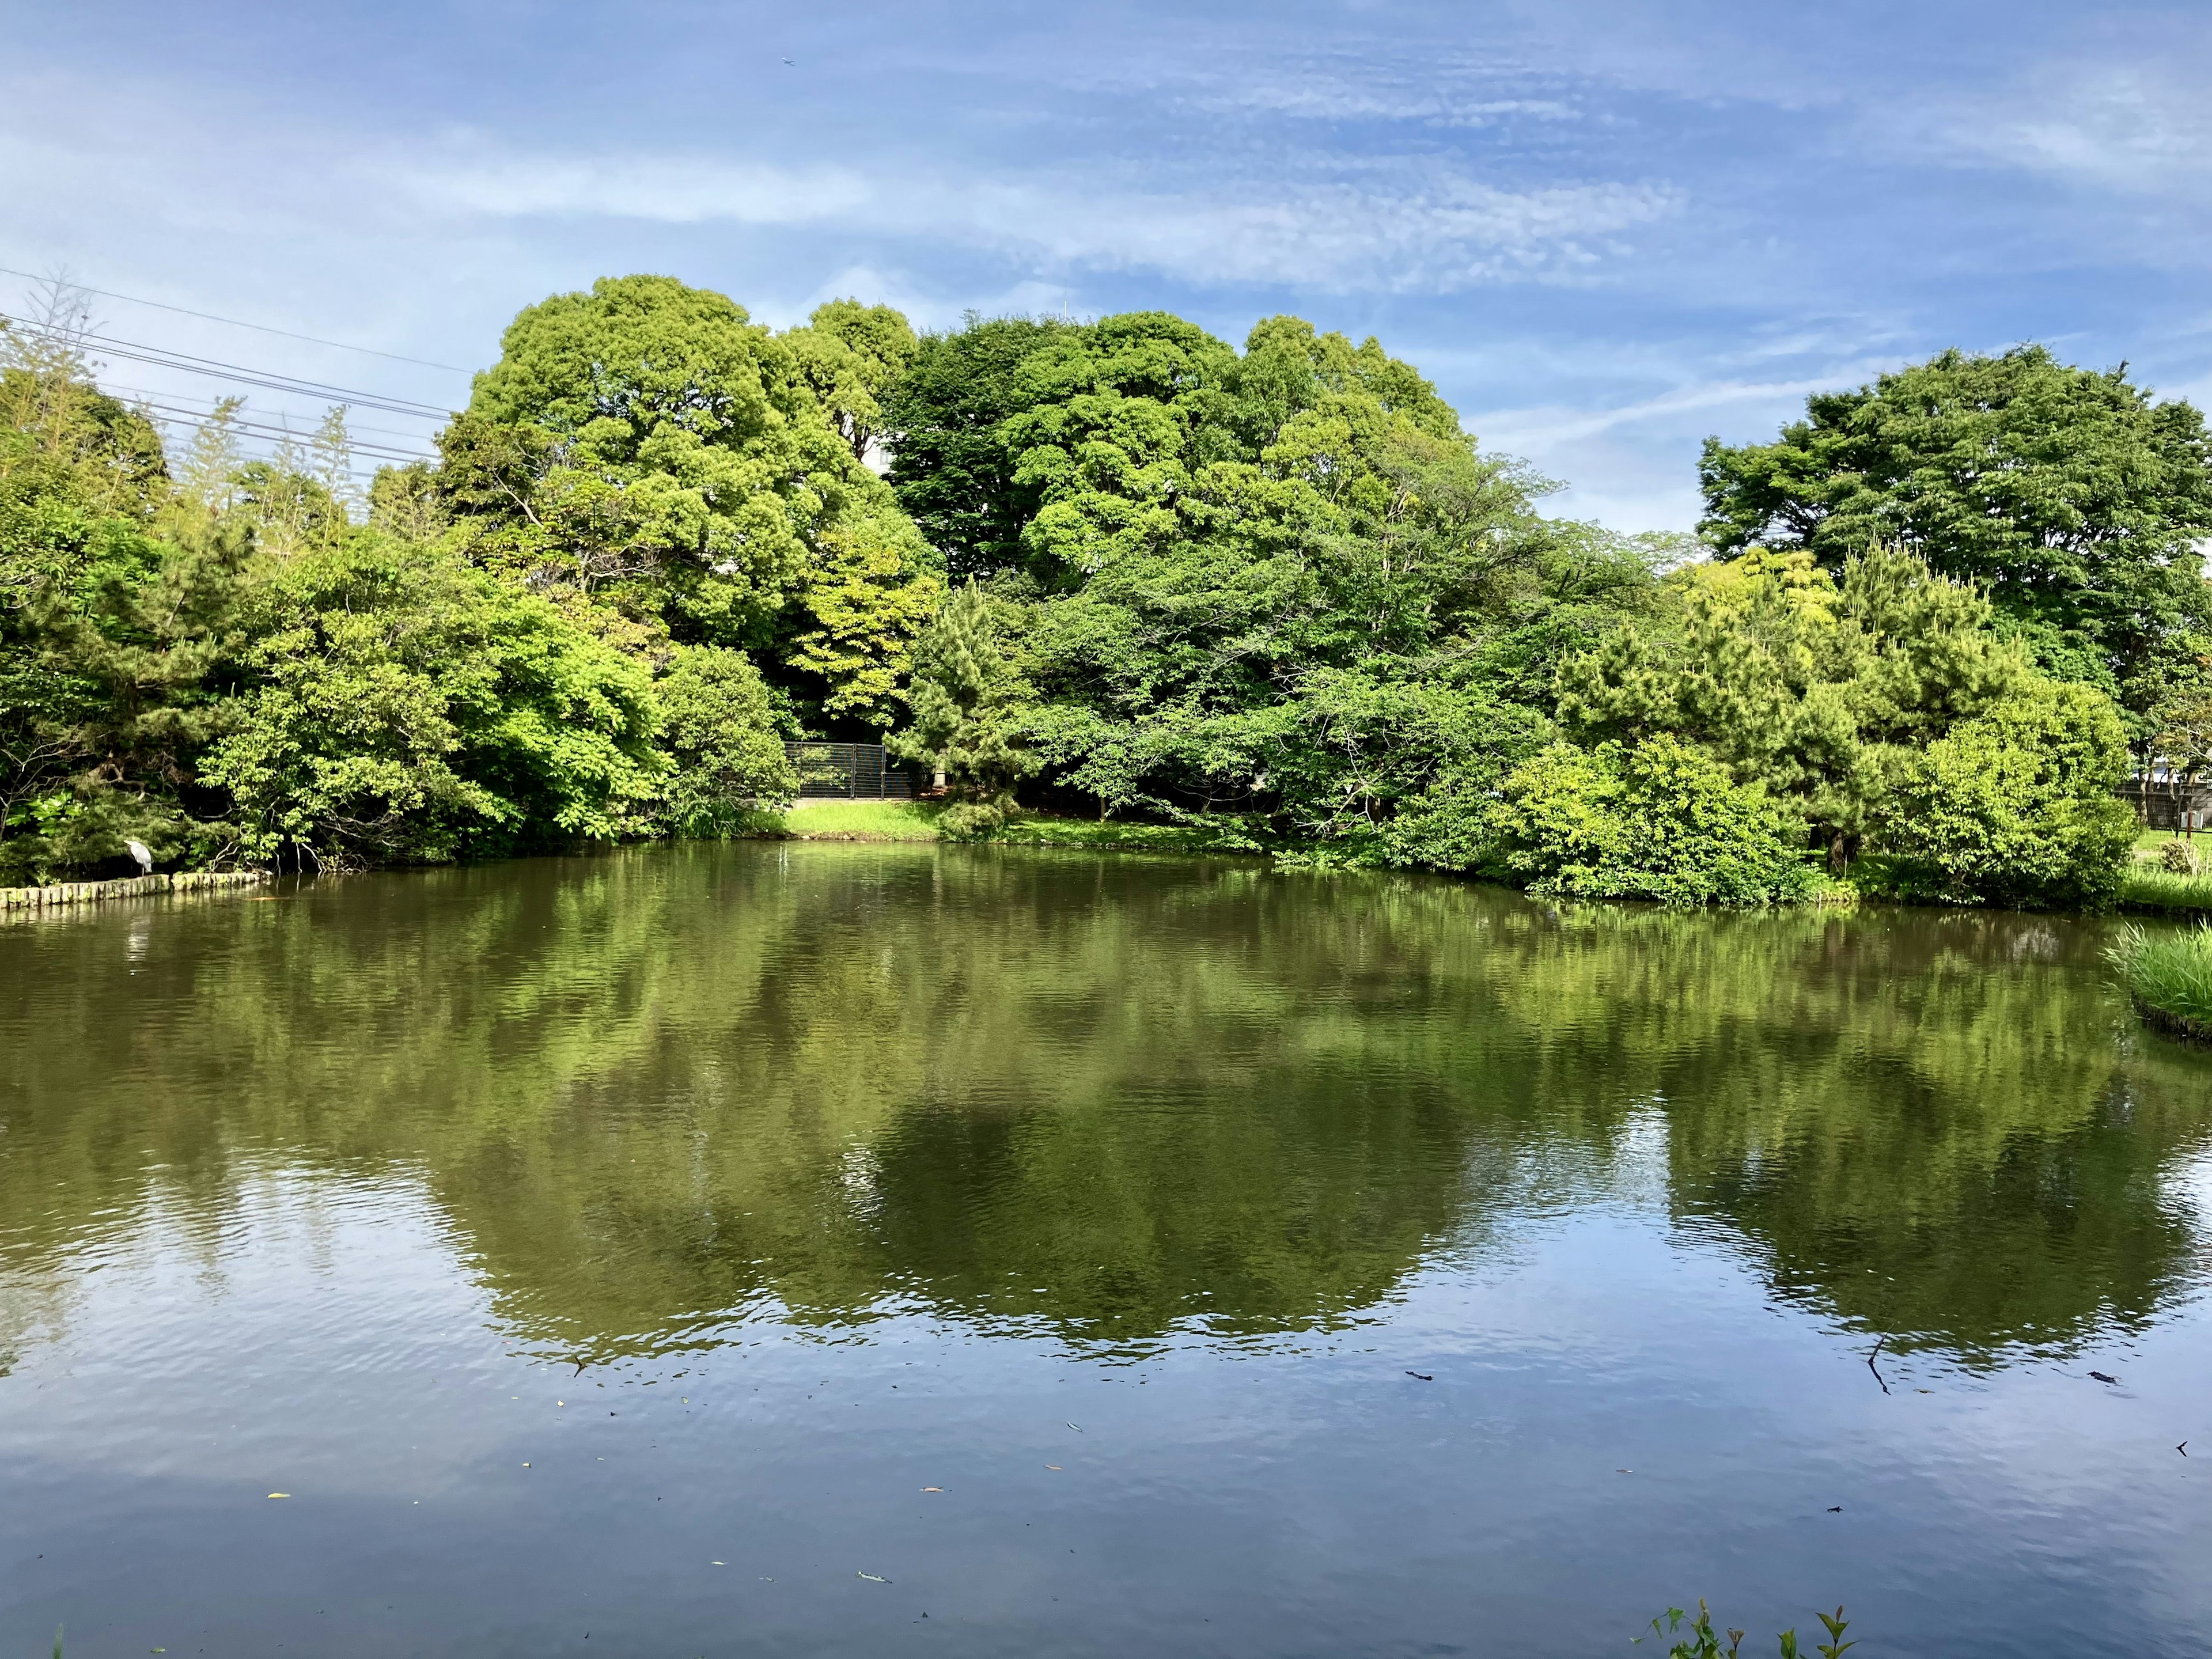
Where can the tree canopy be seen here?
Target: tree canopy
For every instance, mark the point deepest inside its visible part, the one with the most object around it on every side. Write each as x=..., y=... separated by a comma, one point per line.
x=2066, y=495
x=1118, y=566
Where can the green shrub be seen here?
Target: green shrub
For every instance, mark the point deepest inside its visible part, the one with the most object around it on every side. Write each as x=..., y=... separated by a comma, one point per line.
x=408, y=708
x=2015, y=807
x=1661, y=821
x=718, y=725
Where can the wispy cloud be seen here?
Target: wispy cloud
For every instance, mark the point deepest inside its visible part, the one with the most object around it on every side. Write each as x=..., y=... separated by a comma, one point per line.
x=2134, y=128
x=1376, y=223
x=1533, y=430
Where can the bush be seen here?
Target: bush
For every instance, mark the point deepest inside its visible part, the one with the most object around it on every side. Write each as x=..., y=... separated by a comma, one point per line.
x=970, y=820
x=1661, y=821
x=718, y=725
x=407, y=707
x=2179, y=857
x=2016, y=807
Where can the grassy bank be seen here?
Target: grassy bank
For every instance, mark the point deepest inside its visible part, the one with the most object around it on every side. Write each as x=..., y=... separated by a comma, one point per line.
x=917, y=821
x=2147, y=888
x=2169, y=979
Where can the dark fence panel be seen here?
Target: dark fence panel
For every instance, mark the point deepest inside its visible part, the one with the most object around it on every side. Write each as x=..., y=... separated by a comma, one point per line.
x=2167, y=803
x=850, y=771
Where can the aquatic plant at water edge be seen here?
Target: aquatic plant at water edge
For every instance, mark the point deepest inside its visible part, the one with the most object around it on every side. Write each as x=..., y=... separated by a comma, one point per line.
x=2169, y=978
x=2146, y=887
x=1701, y=1641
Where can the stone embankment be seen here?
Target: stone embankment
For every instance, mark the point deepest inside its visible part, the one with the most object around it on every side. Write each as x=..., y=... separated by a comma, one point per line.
x=98, y=892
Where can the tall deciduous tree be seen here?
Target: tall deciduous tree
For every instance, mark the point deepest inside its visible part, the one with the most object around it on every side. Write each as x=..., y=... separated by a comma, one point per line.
x=649, y=446
x=2067, y=495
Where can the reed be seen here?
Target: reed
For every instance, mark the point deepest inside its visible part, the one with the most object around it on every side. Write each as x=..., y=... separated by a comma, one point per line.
x=2147, y=887
x=2169, y=978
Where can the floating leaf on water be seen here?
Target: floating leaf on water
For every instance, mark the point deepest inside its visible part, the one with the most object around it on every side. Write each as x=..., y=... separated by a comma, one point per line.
x=873, y=1579
x=280, y=1494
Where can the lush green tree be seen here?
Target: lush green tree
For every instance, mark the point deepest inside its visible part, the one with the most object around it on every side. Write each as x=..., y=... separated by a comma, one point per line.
x=953, y=463
x=108, y=629
x=1283, y=581
x=2017, y=807
x=720, y=728
x=1820, y=689
x=1664, y=820
x=2068, y=496
x=967, y=694
x=1869, y=704
x=648, y=447
x=406, y=705
x=851, y=354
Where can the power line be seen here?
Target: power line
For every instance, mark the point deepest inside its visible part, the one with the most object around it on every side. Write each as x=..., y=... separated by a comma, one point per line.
x=174, y=416
x=158, y=357
x=209, y=316
x=371, y=459
x=148, y=396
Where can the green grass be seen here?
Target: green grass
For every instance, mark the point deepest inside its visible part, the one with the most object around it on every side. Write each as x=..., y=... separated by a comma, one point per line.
x=2148, y=842
x=1036, y=830
x=2146, y=887
x=2169, y=978
x=862, y=820
x=916, y=820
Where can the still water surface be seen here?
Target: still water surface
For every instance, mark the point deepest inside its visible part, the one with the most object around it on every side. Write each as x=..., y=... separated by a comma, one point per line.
x=877, y=1250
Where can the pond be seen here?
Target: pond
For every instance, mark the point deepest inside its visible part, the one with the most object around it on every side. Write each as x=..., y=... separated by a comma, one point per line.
x=877, y=1250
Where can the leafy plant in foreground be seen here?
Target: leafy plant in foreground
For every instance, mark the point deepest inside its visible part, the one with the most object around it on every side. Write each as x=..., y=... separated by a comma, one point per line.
x=1702, y=1641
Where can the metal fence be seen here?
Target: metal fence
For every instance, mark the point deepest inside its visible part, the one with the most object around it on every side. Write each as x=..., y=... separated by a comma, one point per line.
x=850, y=771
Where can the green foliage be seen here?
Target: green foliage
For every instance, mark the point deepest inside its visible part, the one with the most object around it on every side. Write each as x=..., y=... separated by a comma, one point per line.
x=1285, y=583
x=952, y=462
x=719, y=727
x=2169, y=977
x=2066, y=495
x=1274, y=595
x=1824, y=690
x=1699, y=1640
x=852, y=355
x=407, y=705
x=648, y=450
x=965, y=694
x=1661, y=821
x=109, y=635
x=2016, y=807
x=2144, y=887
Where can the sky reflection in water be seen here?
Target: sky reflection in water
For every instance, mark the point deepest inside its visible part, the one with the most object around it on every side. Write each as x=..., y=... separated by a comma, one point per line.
x=555, y=1231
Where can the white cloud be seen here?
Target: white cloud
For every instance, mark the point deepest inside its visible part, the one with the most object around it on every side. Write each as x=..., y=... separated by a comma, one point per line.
x=1388, y=224
x=2126, y=128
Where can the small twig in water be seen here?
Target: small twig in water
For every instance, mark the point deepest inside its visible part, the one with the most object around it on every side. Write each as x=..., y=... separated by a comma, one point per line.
x=1878, y=1341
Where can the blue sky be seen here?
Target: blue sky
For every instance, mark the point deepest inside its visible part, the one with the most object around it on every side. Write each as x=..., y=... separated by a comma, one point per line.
x=1604, y=229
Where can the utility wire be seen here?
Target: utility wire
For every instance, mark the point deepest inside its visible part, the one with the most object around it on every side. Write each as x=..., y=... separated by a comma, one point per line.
x=148, y=396
x=133, y=352
x=209, y=316
x=173, y=416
